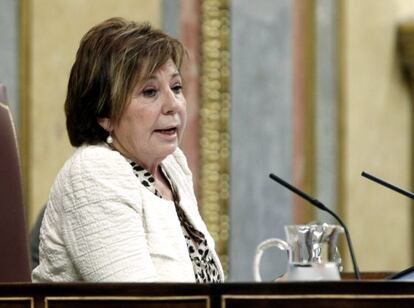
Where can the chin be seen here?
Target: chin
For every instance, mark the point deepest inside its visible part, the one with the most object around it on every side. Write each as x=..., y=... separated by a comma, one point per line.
x=169, y=150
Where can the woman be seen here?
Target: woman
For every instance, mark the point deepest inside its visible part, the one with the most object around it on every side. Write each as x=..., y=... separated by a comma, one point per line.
x=123, y=208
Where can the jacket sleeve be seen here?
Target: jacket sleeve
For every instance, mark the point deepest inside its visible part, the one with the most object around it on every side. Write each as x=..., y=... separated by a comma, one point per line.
x=103, y=226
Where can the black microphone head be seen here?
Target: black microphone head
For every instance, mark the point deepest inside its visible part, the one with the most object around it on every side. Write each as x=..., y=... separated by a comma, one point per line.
x=297, y=191
x=404, y=192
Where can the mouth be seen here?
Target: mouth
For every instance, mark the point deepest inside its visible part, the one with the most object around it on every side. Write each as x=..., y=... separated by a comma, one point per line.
x=167, y=131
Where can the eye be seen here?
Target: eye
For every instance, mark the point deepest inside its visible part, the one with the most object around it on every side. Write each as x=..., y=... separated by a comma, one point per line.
x=177, y=89
x=149, y=92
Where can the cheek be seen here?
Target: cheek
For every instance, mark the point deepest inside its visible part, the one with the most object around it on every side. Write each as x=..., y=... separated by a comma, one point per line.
x=184, y=108
x=184, y=120
x=144, y=118
x=184, y=112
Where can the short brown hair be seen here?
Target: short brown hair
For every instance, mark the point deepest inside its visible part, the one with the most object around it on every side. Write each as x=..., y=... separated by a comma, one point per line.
x=112, y=58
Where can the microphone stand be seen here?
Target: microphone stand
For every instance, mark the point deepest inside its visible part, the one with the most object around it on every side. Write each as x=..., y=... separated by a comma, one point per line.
x=322, y=207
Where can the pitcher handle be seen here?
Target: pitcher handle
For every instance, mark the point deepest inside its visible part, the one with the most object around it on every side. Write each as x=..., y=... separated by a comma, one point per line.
x=266, y=244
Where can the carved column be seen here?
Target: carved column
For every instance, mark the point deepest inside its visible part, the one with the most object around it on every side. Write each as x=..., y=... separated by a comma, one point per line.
x=214, y=135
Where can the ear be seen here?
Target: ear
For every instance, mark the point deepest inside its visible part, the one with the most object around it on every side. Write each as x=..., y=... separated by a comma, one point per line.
x=106, y=124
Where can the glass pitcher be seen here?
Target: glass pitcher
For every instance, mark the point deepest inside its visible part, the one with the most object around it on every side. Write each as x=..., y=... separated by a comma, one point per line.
x=312, y=252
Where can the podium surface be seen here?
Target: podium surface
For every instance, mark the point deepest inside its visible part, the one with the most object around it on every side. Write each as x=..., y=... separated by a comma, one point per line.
x=368, y=293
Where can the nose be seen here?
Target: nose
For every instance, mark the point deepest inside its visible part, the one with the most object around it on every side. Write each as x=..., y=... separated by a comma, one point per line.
x=171, y=102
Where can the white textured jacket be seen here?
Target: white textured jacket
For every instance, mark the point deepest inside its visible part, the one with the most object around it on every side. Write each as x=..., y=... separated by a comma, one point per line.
x=102, y=224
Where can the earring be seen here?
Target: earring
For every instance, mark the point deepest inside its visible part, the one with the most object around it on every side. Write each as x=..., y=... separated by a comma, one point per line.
x=109, y=139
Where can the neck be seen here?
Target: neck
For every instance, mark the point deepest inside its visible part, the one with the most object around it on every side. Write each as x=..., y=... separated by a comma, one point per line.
x=154, y=169
x=149, y=164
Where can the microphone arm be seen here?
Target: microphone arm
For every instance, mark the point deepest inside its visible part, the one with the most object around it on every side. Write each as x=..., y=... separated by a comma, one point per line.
x=388, y=185
x=322, y=207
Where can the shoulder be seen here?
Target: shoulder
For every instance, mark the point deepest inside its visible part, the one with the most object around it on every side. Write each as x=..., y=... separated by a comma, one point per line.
x=95, y=168
x=93, y=159
x=100, y=153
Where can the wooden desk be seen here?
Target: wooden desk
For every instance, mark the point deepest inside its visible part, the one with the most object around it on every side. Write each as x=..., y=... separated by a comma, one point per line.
x=369, y=293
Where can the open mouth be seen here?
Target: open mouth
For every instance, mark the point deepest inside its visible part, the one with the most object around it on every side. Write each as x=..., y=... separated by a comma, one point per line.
x=167, y=131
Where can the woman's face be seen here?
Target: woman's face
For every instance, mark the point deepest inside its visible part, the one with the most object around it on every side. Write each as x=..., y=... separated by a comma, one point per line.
x=153, y=122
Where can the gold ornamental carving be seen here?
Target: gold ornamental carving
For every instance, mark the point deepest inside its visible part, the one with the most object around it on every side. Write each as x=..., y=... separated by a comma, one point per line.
x=214, y=122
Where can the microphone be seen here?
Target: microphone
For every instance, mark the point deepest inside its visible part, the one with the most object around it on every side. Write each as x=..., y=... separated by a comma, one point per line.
x=322, y=207
x=388, y=185
x=406, y=274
